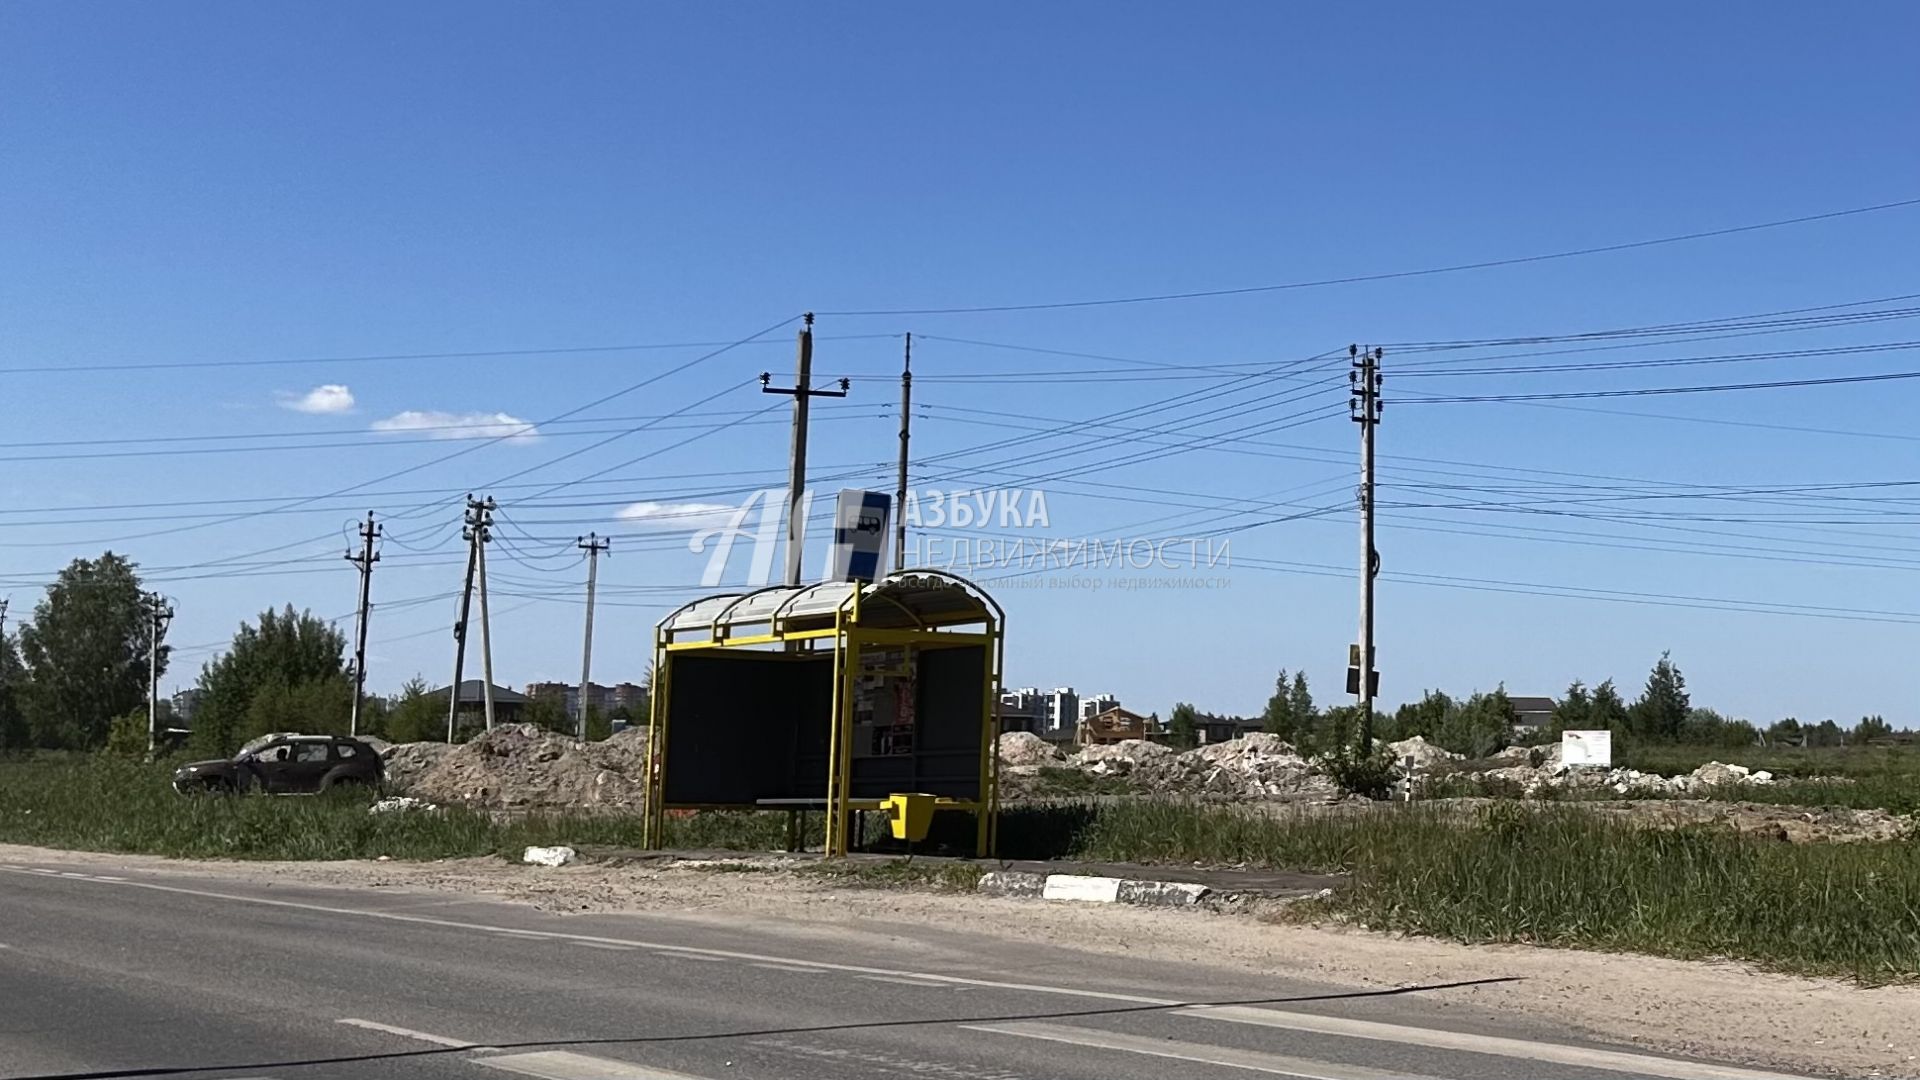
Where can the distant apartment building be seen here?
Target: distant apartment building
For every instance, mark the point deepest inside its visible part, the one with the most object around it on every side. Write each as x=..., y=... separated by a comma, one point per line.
x=1019, y=710
x=568, y=694
x=1060, y=708
x=1093, y=706
x=185, y=704
x=632, y=697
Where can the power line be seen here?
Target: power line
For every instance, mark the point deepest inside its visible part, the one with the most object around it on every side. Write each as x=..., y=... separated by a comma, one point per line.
x=1838, y=380
x=47, y=369
x=1393, y=275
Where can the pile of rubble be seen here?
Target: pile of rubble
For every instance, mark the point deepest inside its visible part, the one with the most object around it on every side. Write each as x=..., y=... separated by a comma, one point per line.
x=524, y=767
x=1253, y=766
x=1259, y=765
x=1534, y=768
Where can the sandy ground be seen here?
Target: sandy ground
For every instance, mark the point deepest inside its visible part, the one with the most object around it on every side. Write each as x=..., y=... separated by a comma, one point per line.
x=1718, y=1010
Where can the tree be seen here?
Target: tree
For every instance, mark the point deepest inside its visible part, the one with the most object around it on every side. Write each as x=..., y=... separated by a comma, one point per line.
x=548, y=711
x=1182, y=731
x=1279, y=715
x=1868, y=729
x=1662, y=707
x=1306, y=718
x=1575, y=711
x=1608, y=712
x=1785, y=732
x=1424, y=717
x=13, y=721
x=1480, y=726
x=598, y=726
x=127, y=735
x=86, y=653
x=1706, y=727
x=281, y=658
x=1825, y=733
x=415, y=714
x=319, y=706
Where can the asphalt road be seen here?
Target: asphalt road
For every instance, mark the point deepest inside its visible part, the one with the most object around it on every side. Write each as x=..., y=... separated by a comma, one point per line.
x=129, y=973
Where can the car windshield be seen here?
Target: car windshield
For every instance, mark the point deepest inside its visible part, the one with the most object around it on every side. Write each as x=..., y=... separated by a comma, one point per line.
x=254, y=745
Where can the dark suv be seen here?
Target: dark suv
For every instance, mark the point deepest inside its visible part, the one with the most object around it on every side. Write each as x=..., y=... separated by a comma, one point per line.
x=285, y=764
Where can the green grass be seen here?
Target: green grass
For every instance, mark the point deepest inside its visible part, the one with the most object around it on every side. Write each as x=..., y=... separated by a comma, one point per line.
x=1544, y=873
x=1058, y=781
x=1856, y=762
x=103, y=804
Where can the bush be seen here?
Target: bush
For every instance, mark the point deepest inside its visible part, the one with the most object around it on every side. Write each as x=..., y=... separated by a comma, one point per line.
x=1372, y=777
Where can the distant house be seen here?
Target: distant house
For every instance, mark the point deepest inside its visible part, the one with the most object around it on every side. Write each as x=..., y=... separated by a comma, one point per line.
x=1209, y=728
x=1112, y=726
x=1532, y=713
x=506, y=703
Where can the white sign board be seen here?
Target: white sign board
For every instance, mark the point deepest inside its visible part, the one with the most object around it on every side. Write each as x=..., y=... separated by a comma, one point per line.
x=1587, y=748
x=859, y=536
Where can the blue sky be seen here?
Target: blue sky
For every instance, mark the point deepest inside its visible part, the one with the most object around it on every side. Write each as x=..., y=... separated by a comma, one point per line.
x=230, y=182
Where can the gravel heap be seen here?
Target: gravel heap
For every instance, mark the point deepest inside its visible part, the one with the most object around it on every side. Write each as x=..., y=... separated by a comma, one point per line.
x=524, y=767
x=1257, y=765
x=1019, y=749
x=1423, y=753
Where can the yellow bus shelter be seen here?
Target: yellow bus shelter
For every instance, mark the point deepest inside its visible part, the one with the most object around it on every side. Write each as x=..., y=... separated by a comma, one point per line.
x=839, y=696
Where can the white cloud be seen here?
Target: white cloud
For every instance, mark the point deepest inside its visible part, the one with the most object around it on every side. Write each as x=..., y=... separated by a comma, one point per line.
x=321, y=400
x=679, y=516
x=467, y=425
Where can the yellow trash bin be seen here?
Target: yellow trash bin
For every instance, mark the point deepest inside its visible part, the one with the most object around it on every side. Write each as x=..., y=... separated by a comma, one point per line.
x=910, y=815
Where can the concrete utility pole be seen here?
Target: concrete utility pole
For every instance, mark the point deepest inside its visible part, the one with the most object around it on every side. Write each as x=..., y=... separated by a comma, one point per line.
x=483, y=512
x=471, y=535
x=364, y=561
x=159, y=614
x=900, y=493
x=593, y=546
x=802, y=392
x=1365, y=407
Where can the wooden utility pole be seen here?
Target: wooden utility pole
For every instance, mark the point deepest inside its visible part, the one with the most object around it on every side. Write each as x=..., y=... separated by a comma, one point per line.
x=483, y=527
x=1365, y=407
x=900, y=490
x=472, y=536
x=593, y=545
x=159, y=614
x=364, y=561
x=802, y=392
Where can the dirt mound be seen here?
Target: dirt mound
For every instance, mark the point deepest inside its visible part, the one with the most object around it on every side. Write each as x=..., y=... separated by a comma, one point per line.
x=1026, y=748
x=1423, y=753
x=523, y=767
x=407, y=762
x=1126, y=757
x=1251, y=766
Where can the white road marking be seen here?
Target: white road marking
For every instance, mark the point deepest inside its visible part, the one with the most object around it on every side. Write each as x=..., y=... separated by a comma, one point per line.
x=1433, y=1038
x=602, y=945
x=907, y=980
x=1654, y=1066
x=804, y=969
x=1251, y=1060
x=691, y=952
x=567, y=1065
x=409, y=1033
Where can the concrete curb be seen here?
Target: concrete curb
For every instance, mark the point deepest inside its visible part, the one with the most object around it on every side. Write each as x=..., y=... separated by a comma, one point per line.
x=1090, y=889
